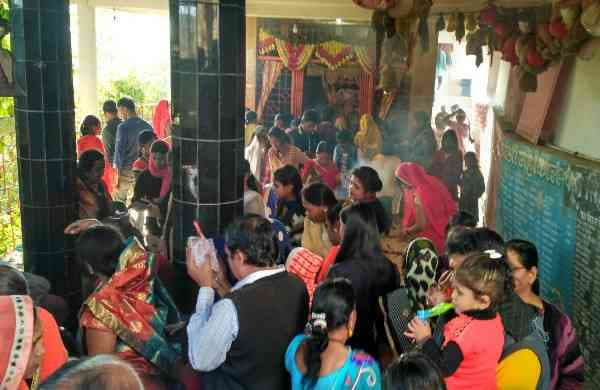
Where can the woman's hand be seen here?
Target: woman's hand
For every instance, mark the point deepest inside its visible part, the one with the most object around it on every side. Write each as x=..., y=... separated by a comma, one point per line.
x=81, y=226
x=418, y=330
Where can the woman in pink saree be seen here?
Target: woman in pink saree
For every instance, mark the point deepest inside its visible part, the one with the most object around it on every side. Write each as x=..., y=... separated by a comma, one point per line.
x=428, y=205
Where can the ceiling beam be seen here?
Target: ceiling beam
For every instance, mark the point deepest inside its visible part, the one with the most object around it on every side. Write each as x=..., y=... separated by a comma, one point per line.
x=292, y=9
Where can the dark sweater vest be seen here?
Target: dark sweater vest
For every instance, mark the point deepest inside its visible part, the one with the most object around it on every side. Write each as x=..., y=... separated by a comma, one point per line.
x=271, y=311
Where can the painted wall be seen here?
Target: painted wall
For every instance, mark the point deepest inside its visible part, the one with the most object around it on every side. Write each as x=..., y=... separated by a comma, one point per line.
x=578, y=126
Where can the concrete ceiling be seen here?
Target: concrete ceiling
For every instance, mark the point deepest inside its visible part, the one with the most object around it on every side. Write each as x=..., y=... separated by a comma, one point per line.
x=311, y=9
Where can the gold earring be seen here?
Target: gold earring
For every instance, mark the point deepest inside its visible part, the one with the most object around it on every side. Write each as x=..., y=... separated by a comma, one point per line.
x=350, y=332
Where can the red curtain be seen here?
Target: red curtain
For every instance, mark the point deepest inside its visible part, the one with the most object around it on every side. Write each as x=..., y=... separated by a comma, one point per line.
x=297, y=92
x=271, y=72
x=365, y=101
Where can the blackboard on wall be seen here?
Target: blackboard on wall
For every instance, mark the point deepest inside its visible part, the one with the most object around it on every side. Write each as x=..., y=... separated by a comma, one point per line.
x=553, y=199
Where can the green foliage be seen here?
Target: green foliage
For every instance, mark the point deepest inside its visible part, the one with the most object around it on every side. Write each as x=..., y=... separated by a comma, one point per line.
x=141, y=92
x=10, y=213
x=7, y=107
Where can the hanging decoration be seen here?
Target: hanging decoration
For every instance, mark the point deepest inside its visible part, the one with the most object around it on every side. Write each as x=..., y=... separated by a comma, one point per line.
x=375, y=4
x=590, y=17
x=531, y=39
x=294, y=57
x=334, y=54
x=266, y=43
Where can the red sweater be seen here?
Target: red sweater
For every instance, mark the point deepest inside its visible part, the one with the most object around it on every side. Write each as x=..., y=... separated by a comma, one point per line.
x=480, y=342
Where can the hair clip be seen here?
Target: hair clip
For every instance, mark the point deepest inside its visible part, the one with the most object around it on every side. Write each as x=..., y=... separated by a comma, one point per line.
x=319, y=320
x=493, y=254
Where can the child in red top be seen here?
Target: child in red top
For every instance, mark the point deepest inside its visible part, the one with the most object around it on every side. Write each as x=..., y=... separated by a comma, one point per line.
x=322, y=168
x=474, y=338
x=145, y=140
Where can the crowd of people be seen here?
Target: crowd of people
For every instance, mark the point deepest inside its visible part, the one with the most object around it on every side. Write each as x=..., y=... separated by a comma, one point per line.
x=345, y=237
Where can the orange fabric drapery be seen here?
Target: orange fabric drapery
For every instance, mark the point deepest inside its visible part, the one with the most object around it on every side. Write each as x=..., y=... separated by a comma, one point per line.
x=365, y=100
x=271, y=72
x=366, y=59
x=295, y=58
x=297, y=92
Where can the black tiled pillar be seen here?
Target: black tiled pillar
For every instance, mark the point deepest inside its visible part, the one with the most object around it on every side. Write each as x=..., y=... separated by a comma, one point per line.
x=208, y=63
x=45, y=120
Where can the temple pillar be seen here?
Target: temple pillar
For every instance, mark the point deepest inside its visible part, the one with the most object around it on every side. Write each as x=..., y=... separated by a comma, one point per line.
x=251, y=43
x=88, y=64
x=207, y=89
x=45, y=133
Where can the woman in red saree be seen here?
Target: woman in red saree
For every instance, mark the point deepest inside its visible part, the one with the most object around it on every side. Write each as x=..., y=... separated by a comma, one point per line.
x=428, y=205
x=90, y=140
x=129, y=311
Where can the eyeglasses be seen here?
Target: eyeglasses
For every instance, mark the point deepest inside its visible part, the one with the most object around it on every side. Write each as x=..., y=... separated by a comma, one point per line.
x=513, y=270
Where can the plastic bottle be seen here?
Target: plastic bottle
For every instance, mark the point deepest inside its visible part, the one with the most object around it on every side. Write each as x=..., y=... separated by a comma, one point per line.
x=435, y=311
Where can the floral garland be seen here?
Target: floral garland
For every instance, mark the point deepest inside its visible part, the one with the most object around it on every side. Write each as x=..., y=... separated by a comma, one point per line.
x=294, y=57
x=366, y=58
x=266, y=43
x=334, y=54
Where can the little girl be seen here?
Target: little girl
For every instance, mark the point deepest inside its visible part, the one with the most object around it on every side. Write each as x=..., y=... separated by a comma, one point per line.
x=322, y=168
x=472, y=186
x=145, y=140
x=473, y=340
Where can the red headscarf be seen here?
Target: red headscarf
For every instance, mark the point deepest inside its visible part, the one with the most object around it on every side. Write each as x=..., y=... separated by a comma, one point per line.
x=161, y=118
x=436, y=202
x=164, y=173
x=92, y=142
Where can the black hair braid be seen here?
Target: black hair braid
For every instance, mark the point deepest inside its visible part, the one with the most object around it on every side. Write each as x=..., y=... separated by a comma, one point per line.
x=315, y=344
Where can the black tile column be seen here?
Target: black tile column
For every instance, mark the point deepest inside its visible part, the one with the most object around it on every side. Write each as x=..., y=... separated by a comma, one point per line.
x=45, y=125
x=207, y=88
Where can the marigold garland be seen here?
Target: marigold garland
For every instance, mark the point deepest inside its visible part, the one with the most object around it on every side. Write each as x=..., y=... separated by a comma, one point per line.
x=294, y=57
x=334, y=54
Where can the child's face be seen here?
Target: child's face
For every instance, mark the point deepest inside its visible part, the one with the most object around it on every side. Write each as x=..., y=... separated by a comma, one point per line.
x=283, y=191
x=146, y=150
x=464, y=299
x=323, y=159
x=159, y=160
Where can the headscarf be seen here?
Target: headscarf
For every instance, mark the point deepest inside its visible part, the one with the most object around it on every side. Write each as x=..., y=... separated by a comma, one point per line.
x=16, y=331
x=161, y=118
x=92, y=142
x=368, y=139
x=255, y=153
x=436, y=201
x=164, y=173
